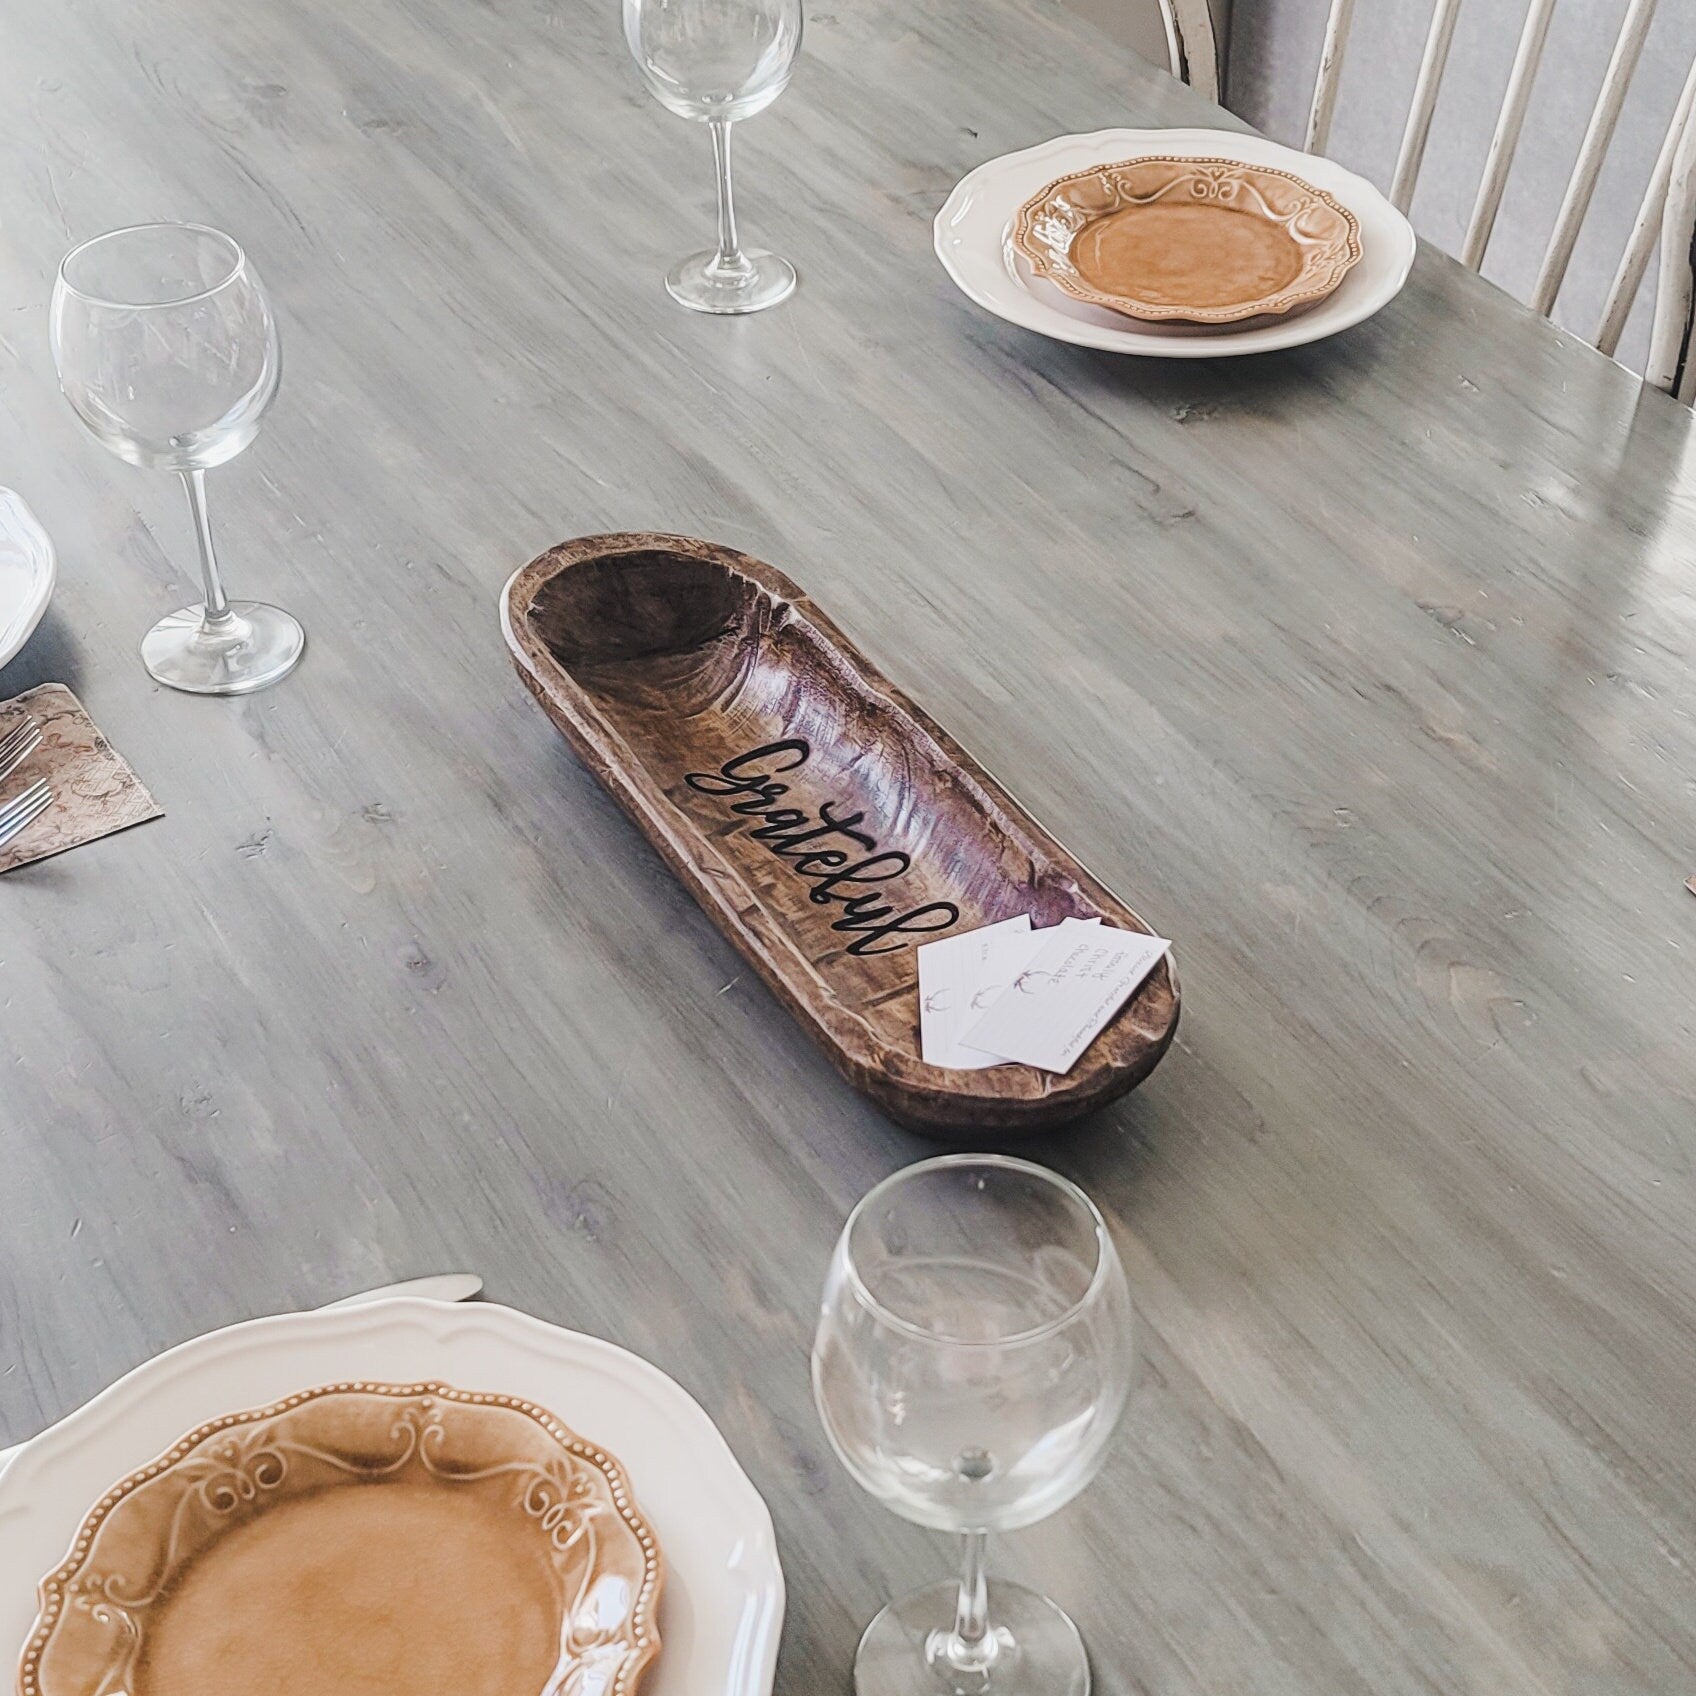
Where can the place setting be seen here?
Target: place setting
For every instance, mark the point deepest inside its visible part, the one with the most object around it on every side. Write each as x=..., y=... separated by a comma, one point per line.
x=413, y=1491
x=1173, y=243
x=405, y=1491
x=167, y=350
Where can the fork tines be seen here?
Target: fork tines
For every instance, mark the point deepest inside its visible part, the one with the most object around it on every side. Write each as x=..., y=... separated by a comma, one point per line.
x=17, y=745
x=23, y=809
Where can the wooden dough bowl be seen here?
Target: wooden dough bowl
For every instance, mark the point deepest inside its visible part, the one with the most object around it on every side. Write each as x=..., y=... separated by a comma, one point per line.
x=824, y=822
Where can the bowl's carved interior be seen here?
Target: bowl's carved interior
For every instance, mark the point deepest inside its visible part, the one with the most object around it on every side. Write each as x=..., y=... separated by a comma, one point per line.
x=837, y=807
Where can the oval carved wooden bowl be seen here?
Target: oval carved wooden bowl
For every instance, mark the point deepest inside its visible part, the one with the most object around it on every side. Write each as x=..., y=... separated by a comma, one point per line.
x=827, y=825
x=358, y=1537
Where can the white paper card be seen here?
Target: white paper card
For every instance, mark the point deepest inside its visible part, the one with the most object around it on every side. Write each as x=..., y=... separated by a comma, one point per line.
x=1063, y=995
x=961, y=977
x=1001, y=964
x=948, y=977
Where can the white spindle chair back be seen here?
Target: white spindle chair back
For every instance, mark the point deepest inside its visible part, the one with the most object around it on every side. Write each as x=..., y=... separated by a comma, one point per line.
x=1668, y=210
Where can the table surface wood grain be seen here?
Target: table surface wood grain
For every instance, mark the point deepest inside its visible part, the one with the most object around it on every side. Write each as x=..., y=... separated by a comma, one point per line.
x=1367, y=672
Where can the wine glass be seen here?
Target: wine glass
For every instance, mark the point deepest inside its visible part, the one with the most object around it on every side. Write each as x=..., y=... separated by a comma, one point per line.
x=166, y=347
x=972, y=1360
x=717, y=61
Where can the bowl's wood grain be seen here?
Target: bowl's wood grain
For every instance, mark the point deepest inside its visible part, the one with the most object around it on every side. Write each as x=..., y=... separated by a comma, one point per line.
x=826, y=824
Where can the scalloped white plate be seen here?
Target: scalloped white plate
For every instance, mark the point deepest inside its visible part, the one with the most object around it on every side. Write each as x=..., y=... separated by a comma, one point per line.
x=722, y=1606
x=973, y=235
x=27, y=570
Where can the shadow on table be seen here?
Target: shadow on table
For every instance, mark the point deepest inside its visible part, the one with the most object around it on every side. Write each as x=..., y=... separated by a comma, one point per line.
x=51, y=655
x=1105, y=1151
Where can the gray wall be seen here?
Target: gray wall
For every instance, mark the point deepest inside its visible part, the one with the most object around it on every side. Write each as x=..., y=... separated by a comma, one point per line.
x=1274, y=51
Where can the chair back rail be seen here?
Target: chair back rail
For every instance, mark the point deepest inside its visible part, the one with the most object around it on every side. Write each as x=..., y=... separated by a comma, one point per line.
x=1652, y=213
x=1432, y=64
x=1671, y=366
x=1191, y=44
x=1324, y=108
x=1504, y=143
x=1598, y=134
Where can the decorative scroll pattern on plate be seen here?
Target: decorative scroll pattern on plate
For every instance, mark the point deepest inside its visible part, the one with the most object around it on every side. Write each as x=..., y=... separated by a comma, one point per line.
x=1323, y=235
x=567, y=1494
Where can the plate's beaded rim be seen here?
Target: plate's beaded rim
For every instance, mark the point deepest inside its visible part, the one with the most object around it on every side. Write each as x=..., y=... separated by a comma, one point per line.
x=643, y=1639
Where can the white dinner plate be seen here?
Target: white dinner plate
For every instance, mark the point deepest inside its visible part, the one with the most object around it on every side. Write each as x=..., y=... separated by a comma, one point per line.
x=26, y=573
x=973, y=241
x=721, y=1607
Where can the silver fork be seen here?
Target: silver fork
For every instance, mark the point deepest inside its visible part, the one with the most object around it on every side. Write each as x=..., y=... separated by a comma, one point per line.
x=17, y=746
x=23, y=810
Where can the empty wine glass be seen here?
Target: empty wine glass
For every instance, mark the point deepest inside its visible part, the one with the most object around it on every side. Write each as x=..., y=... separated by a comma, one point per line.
x=972, y=1360
x=717, y=61
x=166, y=347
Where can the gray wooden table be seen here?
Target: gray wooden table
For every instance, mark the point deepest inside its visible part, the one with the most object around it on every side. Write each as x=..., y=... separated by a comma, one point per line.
x=1367, y=672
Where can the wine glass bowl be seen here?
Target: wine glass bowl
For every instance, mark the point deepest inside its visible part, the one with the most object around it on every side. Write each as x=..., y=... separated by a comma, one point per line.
x=178, y=306
x=972, y=1361
x=167, y=350
x=717, y=62
x=713, y=59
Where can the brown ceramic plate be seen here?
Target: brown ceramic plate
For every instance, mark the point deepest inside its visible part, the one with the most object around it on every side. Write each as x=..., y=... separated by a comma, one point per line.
x=358, y=1540
x=1200, y=241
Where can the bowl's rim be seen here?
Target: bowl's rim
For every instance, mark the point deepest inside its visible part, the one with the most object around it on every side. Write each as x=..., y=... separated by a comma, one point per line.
x=1277, y=305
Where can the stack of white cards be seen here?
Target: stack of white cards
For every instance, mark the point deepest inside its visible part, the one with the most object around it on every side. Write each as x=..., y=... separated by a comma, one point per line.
x=1007, y=993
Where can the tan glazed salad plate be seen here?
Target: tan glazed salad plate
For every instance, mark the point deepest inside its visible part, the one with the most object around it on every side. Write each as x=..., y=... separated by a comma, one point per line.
x=353, y=1539
x=1190, y=240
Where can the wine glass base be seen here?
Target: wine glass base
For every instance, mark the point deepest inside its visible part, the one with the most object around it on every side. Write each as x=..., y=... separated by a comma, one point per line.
x=257, y=646
x=1038, y=1649
x=699, y=283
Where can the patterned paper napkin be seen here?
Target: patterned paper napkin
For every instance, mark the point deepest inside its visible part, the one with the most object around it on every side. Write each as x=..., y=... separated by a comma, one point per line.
x=94, y=790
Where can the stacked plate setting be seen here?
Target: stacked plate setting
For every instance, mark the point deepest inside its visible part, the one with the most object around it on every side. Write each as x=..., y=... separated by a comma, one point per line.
x=1012, y=226
x=721, y=1609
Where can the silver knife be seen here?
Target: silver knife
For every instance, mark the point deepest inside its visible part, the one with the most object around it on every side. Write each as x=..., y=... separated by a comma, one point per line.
x=442, y=1286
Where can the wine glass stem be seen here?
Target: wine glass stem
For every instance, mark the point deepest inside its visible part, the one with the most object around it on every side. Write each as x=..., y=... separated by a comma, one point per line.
x=729, y=249
x=971, y=1648
x=217, y=607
